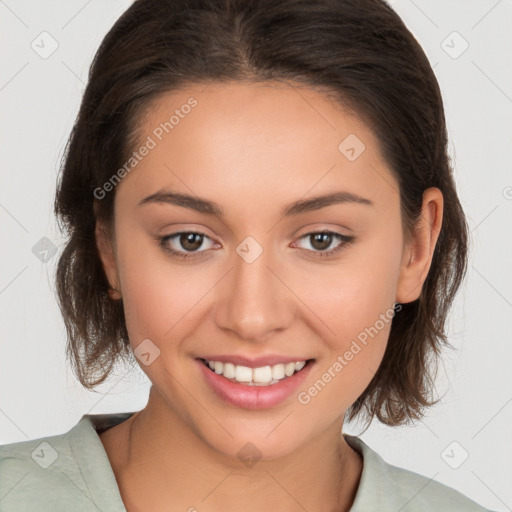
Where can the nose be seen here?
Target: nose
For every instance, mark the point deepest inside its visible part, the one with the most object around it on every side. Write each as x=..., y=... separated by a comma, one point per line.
x=254, y=301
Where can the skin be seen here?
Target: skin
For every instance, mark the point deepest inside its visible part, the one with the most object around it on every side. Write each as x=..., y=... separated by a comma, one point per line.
x=253, y=149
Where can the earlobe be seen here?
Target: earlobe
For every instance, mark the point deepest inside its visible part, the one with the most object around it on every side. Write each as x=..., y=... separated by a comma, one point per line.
x=419, y=252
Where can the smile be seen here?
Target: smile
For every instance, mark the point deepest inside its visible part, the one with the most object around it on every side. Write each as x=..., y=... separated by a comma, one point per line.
x=254, y=387
x=260, y=376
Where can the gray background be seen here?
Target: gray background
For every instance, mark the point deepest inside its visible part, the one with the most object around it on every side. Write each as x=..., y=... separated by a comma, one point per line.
x=39, y=98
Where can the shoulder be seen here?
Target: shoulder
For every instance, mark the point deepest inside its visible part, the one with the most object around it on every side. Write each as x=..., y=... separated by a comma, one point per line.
x=387, y=487
x=39, y=469
x=55, y=472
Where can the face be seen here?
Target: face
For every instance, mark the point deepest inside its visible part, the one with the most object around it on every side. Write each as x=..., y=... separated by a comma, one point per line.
x=235, y=273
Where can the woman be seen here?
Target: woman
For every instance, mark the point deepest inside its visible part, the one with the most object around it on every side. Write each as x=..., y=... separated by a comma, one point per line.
x=261, y=209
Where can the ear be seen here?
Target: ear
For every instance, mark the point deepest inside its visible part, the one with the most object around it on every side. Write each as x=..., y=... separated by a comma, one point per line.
x=106, y=251
x=418, y=254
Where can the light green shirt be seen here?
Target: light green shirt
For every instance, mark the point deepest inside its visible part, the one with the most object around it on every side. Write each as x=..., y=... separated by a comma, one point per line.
x=71, y=472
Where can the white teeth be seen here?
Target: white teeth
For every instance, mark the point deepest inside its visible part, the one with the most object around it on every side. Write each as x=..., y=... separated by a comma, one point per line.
x=278, y=371
x=261, y=376
x=229, y=370
x=243, y=373
x=289, y=369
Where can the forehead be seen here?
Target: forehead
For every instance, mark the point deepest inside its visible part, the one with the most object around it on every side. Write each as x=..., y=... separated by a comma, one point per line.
x=242, y=139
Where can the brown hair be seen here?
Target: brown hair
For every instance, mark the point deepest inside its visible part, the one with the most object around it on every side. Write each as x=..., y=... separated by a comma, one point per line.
x=360, y=52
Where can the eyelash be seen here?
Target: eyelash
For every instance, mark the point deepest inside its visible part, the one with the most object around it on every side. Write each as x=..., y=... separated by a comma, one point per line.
x=346, y=239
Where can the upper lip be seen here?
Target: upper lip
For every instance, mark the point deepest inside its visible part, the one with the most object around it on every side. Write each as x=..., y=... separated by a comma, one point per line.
x=254, y=362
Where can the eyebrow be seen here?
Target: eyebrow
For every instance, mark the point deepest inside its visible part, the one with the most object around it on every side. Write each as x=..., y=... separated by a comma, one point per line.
x=210, y=208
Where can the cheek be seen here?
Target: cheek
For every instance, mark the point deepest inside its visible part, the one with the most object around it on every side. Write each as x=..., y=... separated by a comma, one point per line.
x=353, y=295
x=359, y=318
x=355, y=304
x=157, y=294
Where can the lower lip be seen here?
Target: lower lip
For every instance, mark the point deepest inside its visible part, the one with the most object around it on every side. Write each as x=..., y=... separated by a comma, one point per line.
x=253, y=397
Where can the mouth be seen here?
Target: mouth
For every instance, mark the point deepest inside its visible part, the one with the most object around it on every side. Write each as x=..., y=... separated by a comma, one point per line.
x=254, y=387
x=266, y=375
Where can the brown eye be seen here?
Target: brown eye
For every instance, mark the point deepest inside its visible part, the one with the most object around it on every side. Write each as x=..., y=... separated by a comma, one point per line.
x=321, y=241
x=191, y=241
x=185, y=244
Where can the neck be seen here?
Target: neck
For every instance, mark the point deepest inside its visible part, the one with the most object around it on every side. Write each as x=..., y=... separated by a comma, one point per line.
x=158, y=460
